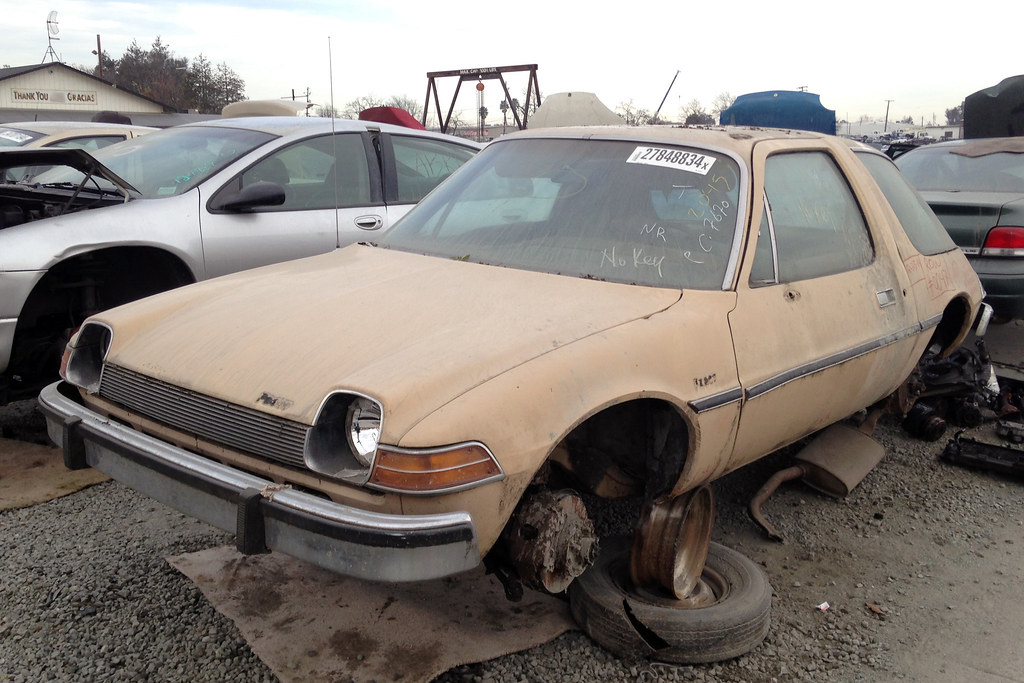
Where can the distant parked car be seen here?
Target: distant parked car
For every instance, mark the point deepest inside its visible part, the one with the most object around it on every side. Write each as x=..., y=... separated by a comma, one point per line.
x=67, y=134
x=976, y=188
x=616, y=312
x=64, y=135
x=185, y=204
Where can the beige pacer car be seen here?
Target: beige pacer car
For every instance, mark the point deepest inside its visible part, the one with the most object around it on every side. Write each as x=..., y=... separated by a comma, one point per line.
x=576, y=314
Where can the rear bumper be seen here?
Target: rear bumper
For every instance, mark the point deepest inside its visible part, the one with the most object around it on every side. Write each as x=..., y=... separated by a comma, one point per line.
x=338, y=537
x=1003, y=280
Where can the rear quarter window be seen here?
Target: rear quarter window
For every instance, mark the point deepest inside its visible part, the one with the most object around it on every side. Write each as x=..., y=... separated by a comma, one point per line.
x=919, y=222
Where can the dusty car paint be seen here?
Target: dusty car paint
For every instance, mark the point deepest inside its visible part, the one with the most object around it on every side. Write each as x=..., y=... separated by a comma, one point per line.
x=457, y=351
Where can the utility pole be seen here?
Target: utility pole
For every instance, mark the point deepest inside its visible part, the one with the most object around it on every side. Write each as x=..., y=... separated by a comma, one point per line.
x=886, y=125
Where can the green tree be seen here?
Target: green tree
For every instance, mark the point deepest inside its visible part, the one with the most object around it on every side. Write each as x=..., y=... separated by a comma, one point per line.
x=229, y=86
x=955, y=115
x=200, y=86
x=159, y=74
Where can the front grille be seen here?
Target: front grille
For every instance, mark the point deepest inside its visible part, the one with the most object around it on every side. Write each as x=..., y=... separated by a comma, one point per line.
x=226, y=424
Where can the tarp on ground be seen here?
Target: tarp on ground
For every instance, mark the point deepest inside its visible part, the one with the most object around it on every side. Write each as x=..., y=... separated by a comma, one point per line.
x=573, y=109
x=996, y=112
x=781, y=109
x=395, y=115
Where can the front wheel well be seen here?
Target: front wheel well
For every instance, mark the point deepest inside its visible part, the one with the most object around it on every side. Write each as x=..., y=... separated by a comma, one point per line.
x=637, y=447
x=76, y=288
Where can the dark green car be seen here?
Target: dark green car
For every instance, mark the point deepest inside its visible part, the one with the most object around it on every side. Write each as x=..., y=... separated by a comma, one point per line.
x=976, y=188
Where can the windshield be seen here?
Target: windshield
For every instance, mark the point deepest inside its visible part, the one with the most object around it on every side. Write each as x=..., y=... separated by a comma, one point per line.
x=629, y=212
x=945, y=169
x=168, y=162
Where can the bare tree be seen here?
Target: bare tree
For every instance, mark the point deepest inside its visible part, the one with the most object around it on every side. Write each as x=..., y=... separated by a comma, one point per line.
x=694, y=114
x=353, y=107
x=722, y=101
x=326, y=110
x=407, y=103
x=633, y=115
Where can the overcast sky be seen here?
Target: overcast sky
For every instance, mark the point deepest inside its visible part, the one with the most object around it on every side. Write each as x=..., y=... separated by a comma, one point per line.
x=924, y=56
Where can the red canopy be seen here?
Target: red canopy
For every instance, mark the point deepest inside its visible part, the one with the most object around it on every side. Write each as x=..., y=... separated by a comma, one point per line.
x=395, y=115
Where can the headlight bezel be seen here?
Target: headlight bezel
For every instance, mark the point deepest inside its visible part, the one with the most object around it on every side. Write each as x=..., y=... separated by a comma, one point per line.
x=330, y=450
x=85, y=354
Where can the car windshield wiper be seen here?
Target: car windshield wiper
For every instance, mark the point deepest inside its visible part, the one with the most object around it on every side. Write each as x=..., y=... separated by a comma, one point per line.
x=78, y=187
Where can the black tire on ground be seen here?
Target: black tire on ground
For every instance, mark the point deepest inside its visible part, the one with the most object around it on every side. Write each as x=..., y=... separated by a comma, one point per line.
x=641, y=623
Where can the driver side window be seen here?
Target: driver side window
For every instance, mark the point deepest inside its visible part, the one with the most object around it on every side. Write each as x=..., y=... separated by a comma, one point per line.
x=814, y=225
x=319, y=173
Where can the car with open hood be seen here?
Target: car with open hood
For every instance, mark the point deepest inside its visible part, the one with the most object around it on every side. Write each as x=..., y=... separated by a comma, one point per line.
x=976, y=188
x=185, y=204
x=577, y=314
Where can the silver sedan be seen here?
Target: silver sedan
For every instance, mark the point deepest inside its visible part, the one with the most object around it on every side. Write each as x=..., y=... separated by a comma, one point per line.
x=190, y=203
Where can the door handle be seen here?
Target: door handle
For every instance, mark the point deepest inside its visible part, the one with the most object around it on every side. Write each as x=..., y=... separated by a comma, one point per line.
x=886, y=297
x=369, y=222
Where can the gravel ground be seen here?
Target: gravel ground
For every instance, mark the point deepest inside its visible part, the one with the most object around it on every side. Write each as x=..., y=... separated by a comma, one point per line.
x=86, y=594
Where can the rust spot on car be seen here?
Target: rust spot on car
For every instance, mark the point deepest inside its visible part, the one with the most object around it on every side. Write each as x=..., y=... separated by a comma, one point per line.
x=274, y=401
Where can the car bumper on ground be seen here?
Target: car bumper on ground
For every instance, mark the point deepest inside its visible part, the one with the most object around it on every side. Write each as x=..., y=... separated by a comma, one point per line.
x=338, y=537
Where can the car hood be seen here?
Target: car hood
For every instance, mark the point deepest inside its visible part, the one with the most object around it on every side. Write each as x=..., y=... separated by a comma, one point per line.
x=968, y=216
x=409, y=330
x=78, y=159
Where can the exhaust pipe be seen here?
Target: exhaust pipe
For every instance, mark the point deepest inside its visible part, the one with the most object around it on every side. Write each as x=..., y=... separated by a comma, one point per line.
x=834, y=463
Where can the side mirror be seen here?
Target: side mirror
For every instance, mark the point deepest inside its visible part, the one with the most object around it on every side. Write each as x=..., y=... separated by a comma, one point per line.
x=254, y=196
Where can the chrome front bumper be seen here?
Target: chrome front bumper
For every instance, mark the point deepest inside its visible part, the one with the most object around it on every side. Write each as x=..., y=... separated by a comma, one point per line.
x=338, y=537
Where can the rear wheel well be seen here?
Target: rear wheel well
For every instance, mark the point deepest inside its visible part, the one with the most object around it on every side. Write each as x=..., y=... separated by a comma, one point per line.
x=953, y=326
x=74, y=289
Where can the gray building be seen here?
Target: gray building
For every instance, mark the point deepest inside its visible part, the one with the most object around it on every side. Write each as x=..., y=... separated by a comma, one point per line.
x=57, y=92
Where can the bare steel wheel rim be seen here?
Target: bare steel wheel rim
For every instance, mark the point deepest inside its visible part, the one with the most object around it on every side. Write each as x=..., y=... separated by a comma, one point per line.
x=670, y=546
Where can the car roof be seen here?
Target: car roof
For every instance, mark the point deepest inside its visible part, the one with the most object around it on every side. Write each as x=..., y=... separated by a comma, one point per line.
x=739, y=139
x=63, y=127
x=308, y=125
x=971, y=147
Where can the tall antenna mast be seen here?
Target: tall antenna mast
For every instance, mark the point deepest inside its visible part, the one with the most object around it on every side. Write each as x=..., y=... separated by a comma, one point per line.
x=51, y=35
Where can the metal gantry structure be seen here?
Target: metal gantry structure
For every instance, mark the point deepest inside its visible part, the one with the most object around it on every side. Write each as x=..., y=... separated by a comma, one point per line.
x=478, y=76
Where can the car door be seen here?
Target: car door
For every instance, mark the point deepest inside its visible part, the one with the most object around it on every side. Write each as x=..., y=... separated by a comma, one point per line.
x=822, y=324
x=332, y=197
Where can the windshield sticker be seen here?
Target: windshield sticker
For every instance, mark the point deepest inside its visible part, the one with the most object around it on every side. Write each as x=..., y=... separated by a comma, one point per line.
x=672, y=158
x=15, y=137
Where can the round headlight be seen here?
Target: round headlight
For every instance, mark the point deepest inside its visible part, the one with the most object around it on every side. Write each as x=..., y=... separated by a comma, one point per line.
x=363, y=420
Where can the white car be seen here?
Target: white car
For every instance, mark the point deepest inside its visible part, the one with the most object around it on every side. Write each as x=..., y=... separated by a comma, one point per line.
x=67, y=134
x=185, y=204
x=63, y=135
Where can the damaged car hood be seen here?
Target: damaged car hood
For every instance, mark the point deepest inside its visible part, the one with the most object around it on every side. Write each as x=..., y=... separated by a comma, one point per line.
x=46, y=182
x=411, y=331
x=77, y=159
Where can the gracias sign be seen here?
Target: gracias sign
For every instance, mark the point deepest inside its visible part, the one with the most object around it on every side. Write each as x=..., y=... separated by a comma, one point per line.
x=19, y=96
